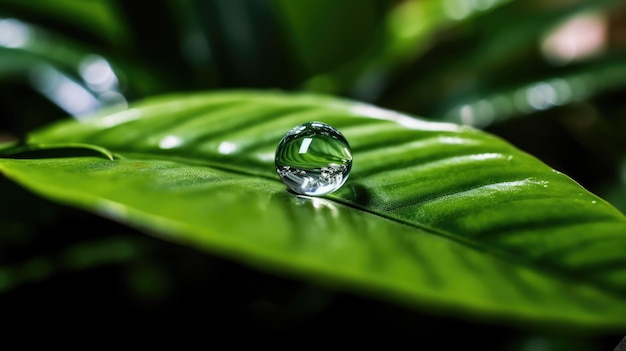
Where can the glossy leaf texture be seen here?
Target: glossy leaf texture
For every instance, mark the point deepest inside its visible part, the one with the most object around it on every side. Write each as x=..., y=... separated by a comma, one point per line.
x=436, y=215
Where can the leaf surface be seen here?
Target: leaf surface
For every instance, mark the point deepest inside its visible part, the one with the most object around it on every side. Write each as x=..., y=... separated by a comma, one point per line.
x=435, y=215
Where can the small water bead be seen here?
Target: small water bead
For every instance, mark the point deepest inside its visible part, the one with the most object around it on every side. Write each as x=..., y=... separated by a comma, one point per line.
x=313, y=159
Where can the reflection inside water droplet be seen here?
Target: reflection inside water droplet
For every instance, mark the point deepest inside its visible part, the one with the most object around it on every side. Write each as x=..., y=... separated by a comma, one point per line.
x=313, y=159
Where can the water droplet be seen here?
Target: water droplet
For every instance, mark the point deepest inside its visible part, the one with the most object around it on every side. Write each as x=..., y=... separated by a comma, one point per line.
x=313, y=159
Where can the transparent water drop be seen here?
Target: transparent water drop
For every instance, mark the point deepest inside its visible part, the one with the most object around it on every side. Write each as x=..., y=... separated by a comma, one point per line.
x=313, y=159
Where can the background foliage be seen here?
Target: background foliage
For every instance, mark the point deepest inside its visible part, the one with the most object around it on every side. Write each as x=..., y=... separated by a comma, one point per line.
x=504, y=66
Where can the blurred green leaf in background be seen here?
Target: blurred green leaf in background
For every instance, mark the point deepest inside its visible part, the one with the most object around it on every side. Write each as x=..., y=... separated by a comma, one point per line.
x=547, y=77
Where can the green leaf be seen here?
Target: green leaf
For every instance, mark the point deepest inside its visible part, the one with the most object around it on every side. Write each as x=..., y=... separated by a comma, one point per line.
x=77, y=257
x=413, y=25
x=439, y=216
x=600, y=76
x=493, y=48
x=102, y=22
x=350, y=39
x=34, y=151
